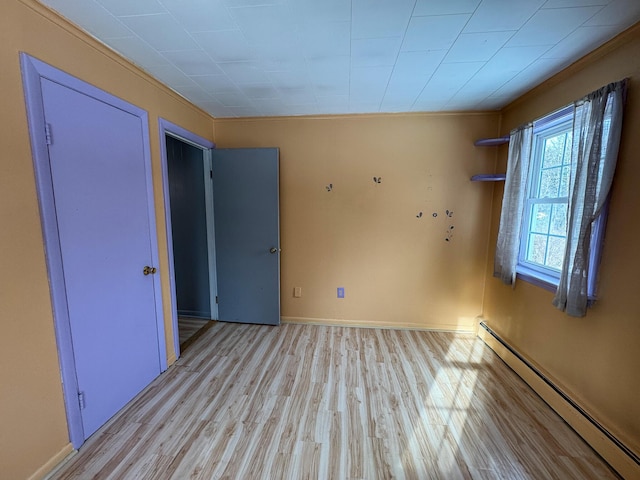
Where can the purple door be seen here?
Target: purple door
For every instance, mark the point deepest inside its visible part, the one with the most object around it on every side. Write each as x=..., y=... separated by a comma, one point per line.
x=99, y=181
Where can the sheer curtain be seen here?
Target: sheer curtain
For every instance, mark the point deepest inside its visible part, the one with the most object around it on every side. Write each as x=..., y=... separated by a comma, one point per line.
x=596, y=137
x=513, y=204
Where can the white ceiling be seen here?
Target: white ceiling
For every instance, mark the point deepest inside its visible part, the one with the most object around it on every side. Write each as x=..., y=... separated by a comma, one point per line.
x=240, y=58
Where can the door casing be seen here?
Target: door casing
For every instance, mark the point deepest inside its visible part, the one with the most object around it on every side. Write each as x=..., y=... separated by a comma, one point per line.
x=33, y=70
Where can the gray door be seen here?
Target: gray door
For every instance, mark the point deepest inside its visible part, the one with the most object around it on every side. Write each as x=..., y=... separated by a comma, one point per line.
x=247, y=231
x=99, y=182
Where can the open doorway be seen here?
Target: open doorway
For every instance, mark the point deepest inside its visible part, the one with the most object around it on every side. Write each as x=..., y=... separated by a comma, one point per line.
x=190, y=232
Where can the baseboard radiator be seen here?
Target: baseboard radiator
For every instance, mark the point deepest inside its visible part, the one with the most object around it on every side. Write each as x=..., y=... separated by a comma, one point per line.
x=624, y=460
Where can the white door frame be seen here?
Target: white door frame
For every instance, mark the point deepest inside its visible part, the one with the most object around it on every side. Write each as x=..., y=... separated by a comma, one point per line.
x=32, y=72
x=170, y=129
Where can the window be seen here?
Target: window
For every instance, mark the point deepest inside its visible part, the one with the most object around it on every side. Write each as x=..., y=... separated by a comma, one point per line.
x=544, y=224
x=559, y=176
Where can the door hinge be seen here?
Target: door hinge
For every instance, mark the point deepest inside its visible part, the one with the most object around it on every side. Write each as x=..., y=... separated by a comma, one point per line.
x=47, y=134
x=81, y=400
x=217, y=300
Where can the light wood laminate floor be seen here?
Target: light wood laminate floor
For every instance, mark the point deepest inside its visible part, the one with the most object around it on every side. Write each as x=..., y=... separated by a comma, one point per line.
x=315, y=402
x=189, y=329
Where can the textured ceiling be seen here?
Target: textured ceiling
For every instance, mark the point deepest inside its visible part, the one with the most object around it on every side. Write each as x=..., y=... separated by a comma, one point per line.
x=240, y=58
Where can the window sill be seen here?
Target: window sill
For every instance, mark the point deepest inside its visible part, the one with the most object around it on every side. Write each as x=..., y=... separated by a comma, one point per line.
x=536, y=278
x=546, y=282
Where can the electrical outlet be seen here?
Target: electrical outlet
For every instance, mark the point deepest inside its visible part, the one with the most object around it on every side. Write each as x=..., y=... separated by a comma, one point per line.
x=297, y=292
x=340, y=292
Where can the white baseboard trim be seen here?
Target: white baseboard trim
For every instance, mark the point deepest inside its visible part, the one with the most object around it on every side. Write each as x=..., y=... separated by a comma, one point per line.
x=47, y=470
x=621, y=458
x=335, y=322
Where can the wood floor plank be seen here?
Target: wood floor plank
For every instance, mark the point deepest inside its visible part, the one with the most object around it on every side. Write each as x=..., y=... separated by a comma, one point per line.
x=321, y=402
x=190, y=328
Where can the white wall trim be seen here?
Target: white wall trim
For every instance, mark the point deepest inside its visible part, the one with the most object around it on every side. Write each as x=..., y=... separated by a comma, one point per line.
x=608, y=446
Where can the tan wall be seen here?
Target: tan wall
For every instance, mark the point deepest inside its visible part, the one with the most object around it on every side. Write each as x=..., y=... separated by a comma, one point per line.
x=596, y=358
x=397, y=269
x=33, y=426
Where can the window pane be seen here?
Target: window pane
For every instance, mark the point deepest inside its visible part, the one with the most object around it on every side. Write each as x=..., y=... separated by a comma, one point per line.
x=537, y=249
x=540, y=218
x=553, y=151
x=555, y=255
x=559, y=220
x=550, y=183
x=564, y=181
